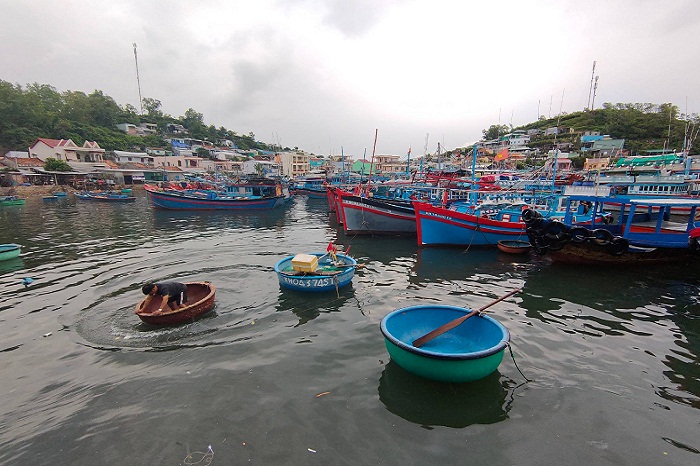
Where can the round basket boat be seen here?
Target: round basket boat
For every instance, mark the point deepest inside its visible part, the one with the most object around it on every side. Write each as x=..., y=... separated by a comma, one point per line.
x=9, y=251
x=514, y=246
x=466, y=353
x=328, y=275
x=200, y=300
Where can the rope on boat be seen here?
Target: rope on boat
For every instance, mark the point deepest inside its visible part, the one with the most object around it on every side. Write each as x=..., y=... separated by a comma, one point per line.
x=510, y=348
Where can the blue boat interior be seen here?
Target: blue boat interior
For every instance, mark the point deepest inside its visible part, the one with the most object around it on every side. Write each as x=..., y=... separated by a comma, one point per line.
x=478, y=336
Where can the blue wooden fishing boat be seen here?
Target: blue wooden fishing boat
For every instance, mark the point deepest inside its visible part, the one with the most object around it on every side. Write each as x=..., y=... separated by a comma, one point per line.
x=329, y=274
x=643, y=231
x=104, y=196
x=311, y=186
x=488, y=221
x=9, y=251
x=468, y=352
x=243, y=196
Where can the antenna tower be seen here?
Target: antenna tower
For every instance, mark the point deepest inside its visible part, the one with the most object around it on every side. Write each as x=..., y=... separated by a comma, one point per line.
x=138, y=81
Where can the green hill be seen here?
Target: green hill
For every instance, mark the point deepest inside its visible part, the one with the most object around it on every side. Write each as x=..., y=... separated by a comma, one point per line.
x=39, y=110
x=642, y=126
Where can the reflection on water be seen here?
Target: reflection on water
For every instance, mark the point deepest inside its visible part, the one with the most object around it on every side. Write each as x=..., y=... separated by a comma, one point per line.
x=430, y=403
x=308, y=306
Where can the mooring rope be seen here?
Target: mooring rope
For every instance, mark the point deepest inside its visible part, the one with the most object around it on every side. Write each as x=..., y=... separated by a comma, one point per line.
x=510, y=348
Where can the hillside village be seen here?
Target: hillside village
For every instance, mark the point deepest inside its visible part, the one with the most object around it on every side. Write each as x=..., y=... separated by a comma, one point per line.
x=126, y=148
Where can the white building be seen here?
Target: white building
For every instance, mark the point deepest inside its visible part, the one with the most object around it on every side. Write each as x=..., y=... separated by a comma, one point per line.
x=294, y=164
x=134, y=157
x=66, y=150
x=183, y=162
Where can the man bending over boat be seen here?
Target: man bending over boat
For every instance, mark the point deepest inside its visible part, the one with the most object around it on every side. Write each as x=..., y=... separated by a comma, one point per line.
x=173, y=294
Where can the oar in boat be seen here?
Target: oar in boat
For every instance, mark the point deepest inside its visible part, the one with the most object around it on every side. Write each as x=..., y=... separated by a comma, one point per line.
x=418, y=342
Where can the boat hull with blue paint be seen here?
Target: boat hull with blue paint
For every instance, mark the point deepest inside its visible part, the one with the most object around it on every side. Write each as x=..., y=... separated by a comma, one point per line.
x=440, y=226
x=328, y=276
x=104, y=196
x=209, y=200
x=468, y=352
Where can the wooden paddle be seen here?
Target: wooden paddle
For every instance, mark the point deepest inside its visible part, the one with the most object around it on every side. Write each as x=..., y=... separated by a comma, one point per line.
x=418, y=342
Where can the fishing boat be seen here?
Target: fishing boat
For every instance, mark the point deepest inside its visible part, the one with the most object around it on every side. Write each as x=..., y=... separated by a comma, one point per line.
x=315, y=271
x=11, y=200
x=201, y=295
x=489, y=220
x=311, y=186
x=468, y=352
x=242, y=196
x=104, y=196
x=374, y=215
x=644, y=231
x=9, y=251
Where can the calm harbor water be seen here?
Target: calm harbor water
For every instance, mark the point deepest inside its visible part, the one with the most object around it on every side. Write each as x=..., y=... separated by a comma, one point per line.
x=281, y=377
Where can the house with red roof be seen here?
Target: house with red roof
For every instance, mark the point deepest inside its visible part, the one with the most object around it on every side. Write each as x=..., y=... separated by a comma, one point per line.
x=66, y=150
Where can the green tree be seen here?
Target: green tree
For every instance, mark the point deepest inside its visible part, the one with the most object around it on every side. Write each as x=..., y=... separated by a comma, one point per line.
x=494, y=131
x=54, y=165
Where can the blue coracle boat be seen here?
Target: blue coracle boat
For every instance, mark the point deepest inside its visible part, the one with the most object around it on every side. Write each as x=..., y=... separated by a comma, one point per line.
x=329, y=275
x=466, y=353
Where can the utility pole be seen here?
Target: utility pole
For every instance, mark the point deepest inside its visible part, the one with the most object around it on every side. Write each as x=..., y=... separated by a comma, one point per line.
x=138, y=81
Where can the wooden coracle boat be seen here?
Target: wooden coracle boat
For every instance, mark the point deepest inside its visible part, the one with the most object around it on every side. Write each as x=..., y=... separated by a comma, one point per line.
x=200, y=300
x=514, y=246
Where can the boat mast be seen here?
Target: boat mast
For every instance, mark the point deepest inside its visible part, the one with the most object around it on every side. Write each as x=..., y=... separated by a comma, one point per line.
x=556, y=148
x=371, y=164
x=342, y=159
x=138, y=81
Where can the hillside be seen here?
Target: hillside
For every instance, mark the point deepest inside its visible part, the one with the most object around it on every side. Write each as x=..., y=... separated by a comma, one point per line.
x=39, y=110
x=642, y=126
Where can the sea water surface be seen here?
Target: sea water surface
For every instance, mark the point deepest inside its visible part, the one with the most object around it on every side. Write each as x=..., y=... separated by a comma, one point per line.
x=605, y=363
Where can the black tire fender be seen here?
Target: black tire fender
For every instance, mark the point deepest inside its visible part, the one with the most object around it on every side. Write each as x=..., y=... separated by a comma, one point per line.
x=601, y=236
x=617, y=246
x=555, y=230
x=579, y=234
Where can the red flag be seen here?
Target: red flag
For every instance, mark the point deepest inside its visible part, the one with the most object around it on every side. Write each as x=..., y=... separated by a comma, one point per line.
x=502, y=155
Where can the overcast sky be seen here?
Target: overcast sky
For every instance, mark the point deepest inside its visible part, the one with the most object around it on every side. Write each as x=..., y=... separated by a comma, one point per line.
x=323, y=75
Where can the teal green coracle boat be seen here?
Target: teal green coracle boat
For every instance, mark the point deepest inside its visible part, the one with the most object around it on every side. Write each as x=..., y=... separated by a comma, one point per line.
x=9, y=251
x=11, y=200
x=466, y=353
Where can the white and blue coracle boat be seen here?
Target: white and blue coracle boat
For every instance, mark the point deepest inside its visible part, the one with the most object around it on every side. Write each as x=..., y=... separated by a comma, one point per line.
x=315, y=271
